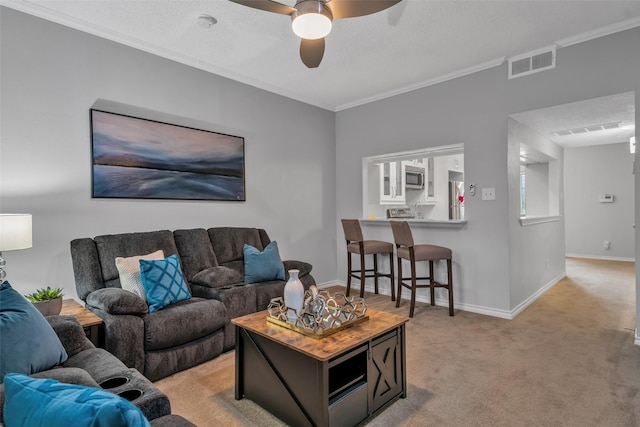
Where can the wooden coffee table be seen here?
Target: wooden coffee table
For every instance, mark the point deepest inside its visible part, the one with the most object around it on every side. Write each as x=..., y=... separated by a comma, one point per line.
x=87, y=319
x=341, y=380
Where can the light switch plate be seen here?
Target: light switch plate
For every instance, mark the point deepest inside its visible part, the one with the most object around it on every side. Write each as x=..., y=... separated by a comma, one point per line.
x=488, y=193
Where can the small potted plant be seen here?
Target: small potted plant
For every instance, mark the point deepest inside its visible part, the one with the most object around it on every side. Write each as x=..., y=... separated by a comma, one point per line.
x=48, y=301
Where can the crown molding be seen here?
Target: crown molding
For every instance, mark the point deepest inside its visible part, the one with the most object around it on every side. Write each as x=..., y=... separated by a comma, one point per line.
x=449, y=76
x=62, y=19
x=105, y=33
x=599, y=32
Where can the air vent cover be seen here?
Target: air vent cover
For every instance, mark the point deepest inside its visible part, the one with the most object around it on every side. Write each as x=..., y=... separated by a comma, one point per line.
x=591, y=128
x=532, y=62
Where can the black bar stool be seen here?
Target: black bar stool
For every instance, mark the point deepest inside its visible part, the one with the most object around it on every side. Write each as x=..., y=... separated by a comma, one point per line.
x=357, y=245
x=406, y=249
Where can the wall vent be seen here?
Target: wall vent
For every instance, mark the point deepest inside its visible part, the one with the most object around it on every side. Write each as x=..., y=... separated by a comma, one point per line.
x=592, y=128
x=532, y=62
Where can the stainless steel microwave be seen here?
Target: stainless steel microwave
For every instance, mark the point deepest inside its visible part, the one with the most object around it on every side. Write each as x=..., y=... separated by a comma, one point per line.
x=414, y=177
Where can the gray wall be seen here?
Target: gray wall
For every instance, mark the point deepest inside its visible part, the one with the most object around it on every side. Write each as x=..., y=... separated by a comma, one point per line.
x=51, y=75
x=473, y=110
x=536, y=251
x=589, y=172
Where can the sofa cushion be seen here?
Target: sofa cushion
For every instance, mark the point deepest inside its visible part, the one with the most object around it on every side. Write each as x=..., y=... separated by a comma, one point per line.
x=163, y=282
x=130, y=244
x=196, y=252
x=129, y=272
x=28, y=343
x=45, y=402
x=261, y=266
x=183, y=322
x=228, y=242
x=217, y=277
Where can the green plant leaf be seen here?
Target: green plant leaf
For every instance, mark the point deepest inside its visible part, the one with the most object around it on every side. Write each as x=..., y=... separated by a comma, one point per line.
x=45, y=294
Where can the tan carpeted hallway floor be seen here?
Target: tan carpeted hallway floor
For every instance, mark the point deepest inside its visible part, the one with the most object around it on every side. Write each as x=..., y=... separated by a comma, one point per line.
x=567, y=360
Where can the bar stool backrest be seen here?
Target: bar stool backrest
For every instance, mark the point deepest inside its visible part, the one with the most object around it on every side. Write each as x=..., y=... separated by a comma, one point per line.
x=401, y=233
x=352, y=230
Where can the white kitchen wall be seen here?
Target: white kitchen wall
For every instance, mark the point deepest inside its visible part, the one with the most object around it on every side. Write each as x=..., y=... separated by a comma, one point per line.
x=590, y=172
x=51, y=75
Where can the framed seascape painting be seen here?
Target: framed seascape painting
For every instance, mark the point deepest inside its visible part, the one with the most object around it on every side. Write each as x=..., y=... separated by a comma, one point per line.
x=145, y=159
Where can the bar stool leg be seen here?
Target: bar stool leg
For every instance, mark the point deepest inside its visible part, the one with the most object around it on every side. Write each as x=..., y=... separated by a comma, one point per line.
x=393, y=290
x=450, y=283
x=375, y=272
x=432, y=287
x=399, y=297
x=414, y=288
x=349, y=272
x=362, y=274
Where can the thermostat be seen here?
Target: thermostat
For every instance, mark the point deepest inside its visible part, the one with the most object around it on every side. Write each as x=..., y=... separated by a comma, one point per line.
x=606, y=198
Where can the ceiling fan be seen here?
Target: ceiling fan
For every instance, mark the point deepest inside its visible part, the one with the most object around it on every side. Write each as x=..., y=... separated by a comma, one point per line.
x=311, y=19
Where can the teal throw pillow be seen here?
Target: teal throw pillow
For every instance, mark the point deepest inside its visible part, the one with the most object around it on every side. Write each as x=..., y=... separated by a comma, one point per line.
x=48, y=403
x=262, y=266
x=163, y=282
x=28, y=343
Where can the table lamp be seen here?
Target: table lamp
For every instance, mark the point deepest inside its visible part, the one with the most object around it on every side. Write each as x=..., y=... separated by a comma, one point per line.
x=15, y=233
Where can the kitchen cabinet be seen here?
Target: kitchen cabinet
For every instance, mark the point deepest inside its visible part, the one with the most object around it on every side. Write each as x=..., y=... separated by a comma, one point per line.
x=430, y=181
x=392, y=183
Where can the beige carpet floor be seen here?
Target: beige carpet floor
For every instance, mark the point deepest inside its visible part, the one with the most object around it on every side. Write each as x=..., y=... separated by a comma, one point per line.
x=567, y=360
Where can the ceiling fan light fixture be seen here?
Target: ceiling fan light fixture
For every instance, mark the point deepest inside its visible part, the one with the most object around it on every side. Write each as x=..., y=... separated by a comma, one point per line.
x=206, y=21
x=311, y=20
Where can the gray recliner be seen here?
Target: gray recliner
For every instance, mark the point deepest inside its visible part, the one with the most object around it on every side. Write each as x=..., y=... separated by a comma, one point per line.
x=95, y=367
x=157, y=344
x=189, y=332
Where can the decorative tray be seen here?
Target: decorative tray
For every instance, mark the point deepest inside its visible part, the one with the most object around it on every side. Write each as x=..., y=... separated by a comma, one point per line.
x=322, y=314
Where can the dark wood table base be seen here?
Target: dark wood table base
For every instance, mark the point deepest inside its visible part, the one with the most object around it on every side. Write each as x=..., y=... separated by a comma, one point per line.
x=342, y=380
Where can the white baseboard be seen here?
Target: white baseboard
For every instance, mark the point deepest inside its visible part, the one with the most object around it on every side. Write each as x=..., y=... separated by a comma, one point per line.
x=526, y=303
x=604, y=258
x=487, y=311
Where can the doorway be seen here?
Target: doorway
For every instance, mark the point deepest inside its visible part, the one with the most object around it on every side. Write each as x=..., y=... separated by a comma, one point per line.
x=590, y=140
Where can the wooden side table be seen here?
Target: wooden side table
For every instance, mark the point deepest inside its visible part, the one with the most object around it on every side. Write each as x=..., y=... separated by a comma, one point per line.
x=87, y=319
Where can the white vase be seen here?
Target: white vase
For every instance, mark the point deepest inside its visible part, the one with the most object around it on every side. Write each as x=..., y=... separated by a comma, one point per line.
x=293, y=295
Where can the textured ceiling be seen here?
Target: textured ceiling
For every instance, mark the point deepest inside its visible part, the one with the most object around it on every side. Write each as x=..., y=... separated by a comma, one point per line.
x=583, y=119
x=411, y=45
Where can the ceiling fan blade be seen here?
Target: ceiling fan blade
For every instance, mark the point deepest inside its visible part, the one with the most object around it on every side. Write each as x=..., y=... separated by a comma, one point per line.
x=353, y=8
x=311, y=52
x=395, y=14
x=268, y=5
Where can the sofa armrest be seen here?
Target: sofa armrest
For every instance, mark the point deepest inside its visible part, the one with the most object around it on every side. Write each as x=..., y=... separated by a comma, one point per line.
x=117, y=301
x=124, y=337
x=304, y=267
x=71, y=334
x=217, y=277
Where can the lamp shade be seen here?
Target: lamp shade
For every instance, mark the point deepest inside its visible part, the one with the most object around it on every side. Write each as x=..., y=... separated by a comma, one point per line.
x=15, y=232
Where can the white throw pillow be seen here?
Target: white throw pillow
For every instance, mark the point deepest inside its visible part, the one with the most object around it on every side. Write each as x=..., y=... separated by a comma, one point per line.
x=129, y=271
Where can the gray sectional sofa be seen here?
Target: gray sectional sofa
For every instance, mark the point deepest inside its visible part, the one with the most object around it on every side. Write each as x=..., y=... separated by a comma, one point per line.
x=95, y=367
x=189, y=332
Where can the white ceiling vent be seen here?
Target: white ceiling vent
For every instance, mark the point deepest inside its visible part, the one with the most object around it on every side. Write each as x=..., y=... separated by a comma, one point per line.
x=532, y=62
x=592, y=128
